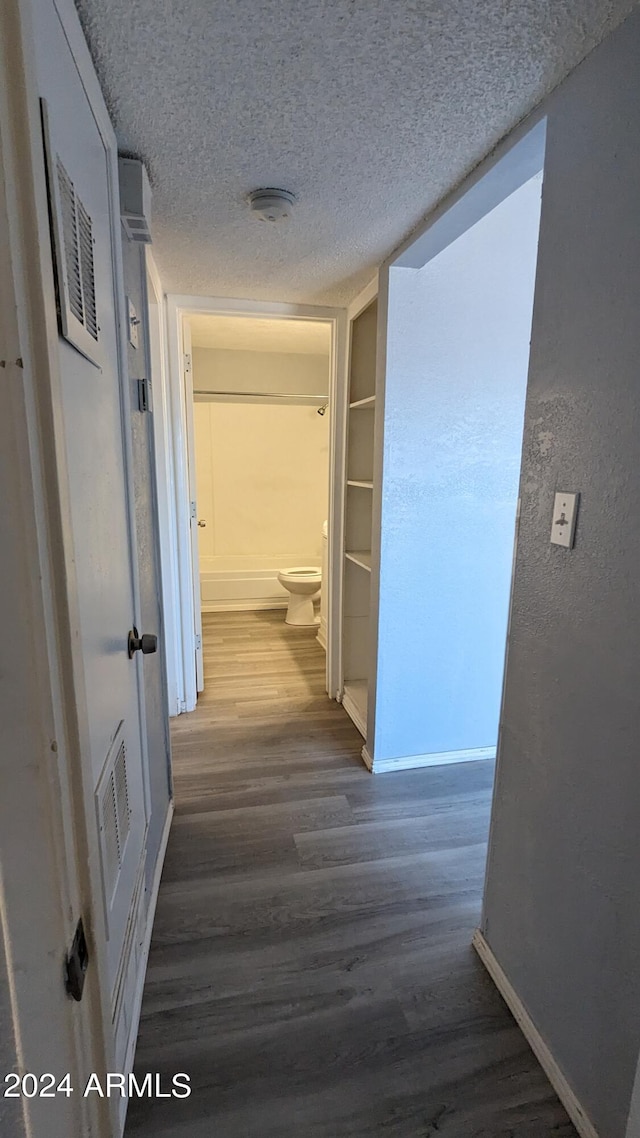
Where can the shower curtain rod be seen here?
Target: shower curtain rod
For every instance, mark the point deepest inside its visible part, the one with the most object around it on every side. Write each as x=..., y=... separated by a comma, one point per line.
x=264, y=395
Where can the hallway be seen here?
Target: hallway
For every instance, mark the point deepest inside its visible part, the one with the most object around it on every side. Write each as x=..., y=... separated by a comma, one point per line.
x=311, y=968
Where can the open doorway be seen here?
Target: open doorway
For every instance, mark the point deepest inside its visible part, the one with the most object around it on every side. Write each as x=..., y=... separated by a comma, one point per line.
x=261, y=440
x=255, y=454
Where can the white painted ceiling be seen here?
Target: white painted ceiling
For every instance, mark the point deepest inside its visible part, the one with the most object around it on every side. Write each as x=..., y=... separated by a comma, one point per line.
x=260, y=334
x=368, y=110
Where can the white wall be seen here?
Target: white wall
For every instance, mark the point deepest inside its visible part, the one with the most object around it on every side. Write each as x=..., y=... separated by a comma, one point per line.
x=217, y=369
x=457, y=355
x=262, y=482
x=262, y=466
x=561, y=911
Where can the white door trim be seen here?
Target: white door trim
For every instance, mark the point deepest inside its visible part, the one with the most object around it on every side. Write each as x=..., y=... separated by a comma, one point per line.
x=186, y=357
x=181, y=412
x=179, y=306
x=167, y=502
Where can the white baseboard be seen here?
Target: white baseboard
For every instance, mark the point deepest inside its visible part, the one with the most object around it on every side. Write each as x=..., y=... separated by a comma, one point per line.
x=368, y=761
x=578, y=1116
x=435, y=759
x=322, y=634
x=256, y=605
x=146, y=944
x=355, y=713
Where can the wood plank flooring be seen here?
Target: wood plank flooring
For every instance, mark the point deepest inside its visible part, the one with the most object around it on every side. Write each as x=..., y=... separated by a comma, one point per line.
x=311, y=967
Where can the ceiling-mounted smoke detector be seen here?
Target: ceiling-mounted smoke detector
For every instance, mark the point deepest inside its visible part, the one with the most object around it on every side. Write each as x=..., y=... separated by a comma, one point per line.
x=272, y=205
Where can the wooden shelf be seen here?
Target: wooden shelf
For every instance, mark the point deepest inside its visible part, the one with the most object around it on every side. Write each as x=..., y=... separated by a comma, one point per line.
x=354, y=700
x=356, y=482
x=368, y=402
x=361, y=557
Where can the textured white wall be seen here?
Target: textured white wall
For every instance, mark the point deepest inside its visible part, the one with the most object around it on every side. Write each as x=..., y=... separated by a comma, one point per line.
x=561, y=910
x=457, y=356
x=262, y=467
x=216, y=369
x=262, y=474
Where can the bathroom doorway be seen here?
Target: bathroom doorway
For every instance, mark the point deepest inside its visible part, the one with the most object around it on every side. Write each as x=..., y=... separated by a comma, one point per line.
x=261, y=438
x=259, y=445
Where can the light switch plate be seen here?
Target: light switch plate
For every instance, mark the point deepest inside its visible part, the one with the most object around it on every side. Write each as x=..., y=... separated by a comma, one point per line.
x=133, y=323
x=565, y=513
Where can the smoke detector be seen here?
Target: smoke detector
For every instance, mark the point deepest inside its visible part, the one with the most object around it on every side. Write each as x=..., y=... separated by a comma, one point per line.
x=271, y=205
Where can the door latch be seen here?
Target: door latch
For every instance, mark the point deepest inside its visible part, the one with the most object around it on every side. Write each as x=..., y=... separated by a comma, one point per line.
x=145, y=402
x=76, y=963
x=147, y=643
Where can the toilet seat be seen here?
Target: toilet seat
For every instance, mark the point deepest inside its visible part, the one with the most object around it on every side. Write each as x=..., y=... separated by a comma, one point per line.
x=302, y=582
x=302, y=573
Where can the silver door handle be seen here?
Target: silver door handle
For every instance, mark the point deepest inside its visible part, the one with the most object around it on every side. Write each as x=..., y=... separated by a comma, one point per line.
x=202, y=523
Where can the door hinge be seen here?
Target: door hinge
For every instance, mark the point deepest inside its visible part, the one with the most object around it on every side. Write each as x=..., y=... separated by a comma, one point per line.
x=187, y=362
x=144, y=395
x=198, y=643
x=76, y=963
x=193, y=510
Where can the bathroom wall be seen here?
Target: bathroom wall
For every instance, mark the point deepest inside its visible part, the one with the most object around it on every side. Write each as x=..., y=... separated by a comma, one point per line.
x=262, y=474
x=216, y=369
x=457, y=356
x=262, y=480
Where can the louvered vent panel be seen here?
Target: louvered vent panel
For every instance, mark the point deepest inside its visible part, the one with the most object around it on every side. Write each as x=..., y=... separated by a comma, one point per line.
x=114, y=813
x=110, y=838
x=122, y=795
x=75, y=253
x=85, y=238
x=71, y=242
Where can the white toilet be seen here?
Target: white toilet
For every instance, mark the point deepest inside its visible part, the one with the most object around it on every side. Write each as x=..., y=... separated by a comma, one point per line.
x=302, y=583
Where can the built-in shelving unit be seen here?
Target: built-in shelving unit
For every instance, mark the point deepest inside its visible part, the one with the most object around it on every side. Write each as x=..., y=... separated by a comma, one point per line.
x=361, y=557
x=356, y=593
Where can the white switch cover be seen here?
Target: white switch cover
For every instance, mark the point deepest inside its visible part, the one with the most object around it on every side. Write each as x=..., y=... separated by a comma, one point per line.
x=565, y=513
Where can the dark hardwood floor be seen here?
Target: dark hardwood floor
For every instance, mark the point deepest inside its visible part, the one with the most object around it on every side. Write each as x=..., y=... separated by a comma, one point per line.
x=311, y=967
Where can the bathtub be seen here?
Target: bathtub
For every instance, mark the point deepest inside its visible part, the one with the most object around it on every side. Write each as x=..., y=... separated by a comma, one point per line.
x=234, y=584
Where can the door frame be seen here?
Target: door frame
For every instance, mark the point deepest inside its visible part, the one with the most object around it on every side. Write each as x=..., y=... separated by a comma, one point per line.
x=166, y=487
x=186, y=357
x=46, y=797
x=181, y=396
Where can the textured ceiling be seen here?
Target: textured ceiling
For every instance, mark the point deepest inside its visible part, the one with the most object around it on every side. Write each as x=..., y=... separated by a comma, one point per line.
x=259, y=334
x=368, y=110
